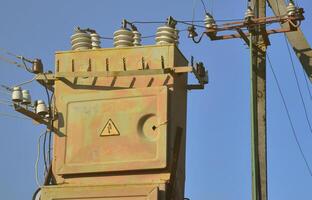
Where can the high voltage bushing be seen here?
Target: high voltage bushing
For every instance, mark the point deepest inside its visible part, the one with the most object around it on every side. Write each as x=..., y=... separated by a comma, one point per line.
x=136, y=38
x=176, y=34
x=123, y=38
x=81, y=40
x=165, y=35
x=95, y=41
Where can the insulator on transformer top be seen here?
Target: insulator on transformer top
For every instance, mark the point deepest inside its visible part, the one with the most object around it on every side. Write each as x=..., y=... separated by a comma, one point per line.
x=123, y=38
x=17, y=95
x=165, y=35
x=210, y=23
x=136, y=38
x=291, y=9
x=176, y=34
x=249, y=14
x=81, y=40
x=26, y=97
x=95, y=40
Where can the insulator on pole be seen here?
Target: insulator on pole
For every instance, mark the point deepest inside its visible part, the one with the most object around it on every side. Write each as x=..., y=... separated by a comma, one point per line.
x=17, y=95
x=95, y=40
x=136, y=38
x=41, y=108
x=81, y=40
x=26, y=97
x=291, y=9
x=249, y=14
x=123, y=38
x=210, y=23
x=165, y=35
x=37, y=66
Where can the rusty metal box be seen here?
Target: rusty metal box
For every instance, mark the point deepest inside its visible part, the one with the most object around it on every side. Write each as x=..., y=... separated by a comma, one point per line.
x=118, y=110
x=115, y=130
x=101, y=193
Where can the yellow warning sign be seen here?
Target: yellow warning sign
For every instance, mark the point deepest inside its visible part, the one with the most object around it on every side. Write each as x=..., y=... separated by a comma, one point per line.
x=109, y=129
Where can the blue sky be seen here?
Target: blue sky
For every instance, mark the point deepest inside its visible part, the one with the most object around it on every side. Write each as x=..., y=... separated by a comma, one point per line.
x=218, y=145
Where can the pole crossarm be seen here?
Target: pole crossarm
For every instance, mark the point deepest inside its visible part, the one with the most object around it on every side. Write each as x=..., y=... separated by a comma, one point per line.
x=291, y=23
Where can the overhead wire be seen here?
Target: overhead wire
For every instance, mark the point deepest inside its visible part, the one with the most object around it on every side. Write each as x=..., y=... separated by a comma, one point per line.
x=204, y=6
x=307, y=84
x=22, y=58
x=12, y=116
x=289, y=117
x=6, y=103
x=26, y=82
x=298, y=85
x=295, y=75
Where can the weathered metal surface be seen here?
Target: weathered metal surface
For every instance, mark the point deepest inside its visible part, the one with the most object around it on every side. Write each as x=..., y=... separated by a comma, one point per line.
x=119, y=129
x=297, y=39
x=140, y=115
x=259, y=97
x=135, y=192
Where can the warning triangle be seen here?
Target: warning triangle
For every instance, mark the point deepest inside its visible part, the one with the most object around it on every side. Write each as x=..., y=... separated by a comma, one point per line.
x=109, y=129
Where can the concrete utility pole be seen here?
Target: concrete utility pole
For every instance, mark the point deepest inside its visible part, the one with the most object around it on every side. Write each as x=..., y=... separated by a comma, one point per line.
x=259, y=135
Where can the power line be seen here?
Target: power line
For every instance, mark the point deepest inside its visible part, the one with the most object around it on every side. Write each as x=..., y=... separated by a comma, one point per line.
x=307, y=83
x=204, y=6
x=298, y=85
x=12, y=116
x=5, y=103
x=289, y=117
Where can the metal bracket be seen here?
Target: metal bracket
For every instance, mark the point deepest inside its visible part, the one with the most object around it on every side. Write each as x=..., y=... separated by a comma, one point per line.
x=37, y=118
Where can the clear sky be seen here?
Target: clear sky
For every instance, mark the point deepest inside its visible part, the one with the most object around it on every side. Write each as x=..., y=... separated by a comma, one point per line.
x=218, y=145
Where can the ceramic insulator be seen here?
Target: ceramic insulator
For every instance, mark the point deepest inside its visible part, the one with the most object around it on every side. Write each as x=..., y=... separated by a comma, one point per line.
x=95, y=41
x=17, y=95
x=165, y=35
x=123, y=38
x=41, y=108
x=26, y=97
x=81, y=40
x=291, y=9
x=136, y=38
x=210, y=22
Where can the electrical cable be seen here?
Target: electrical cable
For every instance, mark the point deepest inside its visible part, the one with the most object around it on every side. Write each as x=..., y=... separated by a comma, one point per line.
x=37, y=160
x=191, y=24
x=4, y=92
x=5, y=103
x=51, y=123
x=204, y=6
x=106, y=38
x=23, y=59
x=193, y=11
x=148, y=22
x=12, y=116
x=7, y=60
x=307, y=83
x=50, y=133
x=45, y=135
x=289, y=117
x=26, y=82
x=36, y=193
x=298, y=85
